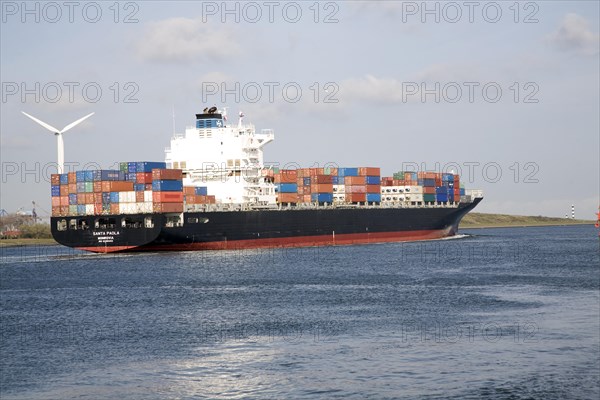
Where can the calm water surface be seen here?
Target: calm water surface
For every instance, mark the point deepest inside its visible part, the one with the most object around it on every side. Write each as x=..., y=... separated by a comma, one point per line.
x=498, y=313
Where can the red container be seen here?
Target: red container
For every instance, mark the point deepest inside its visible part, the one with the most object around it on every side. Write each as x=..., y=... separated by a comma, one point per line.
x=438, y=182
x=369, y=171
x=210, y=199
x=64, y=190
x=97, y=186
x=373, y=188
x=355, y=180
x=64, y=210
x=428, y=190
x=64, y=201
x=117, y=186
x=166, y=174
x=167, y=207
x=321, y=188
x=143, y=177
x=55, y=179
x=287, y=197
x=356, y=189
x=56, y=211
x=167, y=197
x=55, y=202
x=456, y=194
x=72, y=177
x=98, y=209
x=356, y=197
x=97, y=198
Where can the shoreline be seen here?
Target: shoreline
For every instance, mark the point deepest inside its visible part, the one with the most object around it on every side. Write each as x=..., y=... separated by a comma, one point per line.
x=522, y=225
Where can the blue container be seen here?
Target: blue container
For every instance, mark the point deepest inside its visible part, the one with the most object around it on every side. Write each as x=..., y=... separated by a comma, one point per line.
x=114, y=197
x=373, y=197
x=410, y=175
x=447, y=177
x=428, y=182
x=139, y=187
x=81, y=209
x=373, y=180
x=462, y=191
x=80, y=187
x=80, y=176
x=148, y=166
x=106, y=198
x=287, y=188
x=348, y=172
x=441, y=190
x=420, y=182
x=130, y=176
x=441, y=197
x=106, y=175
x=72, y=199
x=306, y=181
x=64, y=179
x=132, y=167
x=322, y=197
x=337, y=180
x=167, y=186
x=55, y=190
x=88, y=176
x=201, y=191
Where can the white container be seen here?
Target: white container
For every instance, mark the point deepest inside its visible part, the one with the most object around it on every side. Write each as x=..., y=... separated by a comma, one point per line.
x=148, y=196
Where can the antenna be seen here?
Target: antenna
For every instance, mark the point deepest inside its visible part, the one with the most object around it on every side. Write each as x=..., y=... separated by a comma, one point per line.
x=60, y=144
x=173, y=119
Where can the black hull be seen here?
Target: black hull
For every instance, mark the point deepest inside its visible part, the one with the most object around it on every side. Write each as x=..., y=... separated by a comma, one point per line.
x=266, y=228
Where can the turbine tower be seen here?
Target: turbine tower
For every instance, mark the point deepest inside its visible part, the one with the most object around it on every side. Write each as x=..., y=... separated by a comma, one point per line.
x=60, y=144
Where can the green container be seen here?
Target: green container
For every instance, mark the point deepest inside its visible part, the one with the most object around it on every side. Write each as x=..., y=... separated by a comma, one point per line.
x=123, y=167
x=429, y=198
x=276, y=170
x=399, y=175
x=73, y=210
x=89, y=187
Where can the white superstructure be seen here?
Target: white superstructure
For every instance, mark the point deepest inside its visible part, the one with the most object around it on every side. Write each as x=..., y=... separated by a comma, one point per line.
x=227, y=159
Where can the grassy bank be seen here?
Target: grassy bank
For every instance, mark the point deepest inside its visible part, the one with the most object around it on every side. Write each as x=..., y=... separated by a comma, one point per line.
x=26, y=242
x=480, y=220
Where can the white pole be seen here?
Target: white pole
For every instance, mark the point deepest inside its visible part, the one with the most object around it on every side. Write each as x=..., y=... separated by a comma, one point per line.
x=60, y=149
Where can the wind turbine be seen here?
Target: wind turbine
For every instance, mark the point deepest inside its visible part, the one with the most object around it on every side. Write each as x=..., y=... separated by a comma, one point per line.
x=60, y=144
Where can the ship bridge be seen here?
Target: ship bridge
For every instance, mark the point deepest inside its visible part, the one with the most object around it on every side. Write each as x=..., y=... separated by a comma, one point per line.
x=228, y=159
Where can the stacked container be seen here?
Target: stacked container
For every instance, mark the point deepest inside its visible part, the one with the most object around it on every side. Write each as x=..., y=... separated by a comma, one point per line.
x=194, y=197
x=167, y=190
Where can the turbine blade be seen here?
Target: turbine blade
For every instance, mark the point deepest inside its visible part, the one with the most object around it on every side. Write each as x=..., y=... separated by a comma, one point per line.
x=42, y=123
x=72, y=124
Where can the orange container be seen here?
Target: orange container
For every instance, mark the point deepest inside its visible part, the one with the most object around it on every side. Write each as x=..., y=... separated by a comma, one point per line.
x=167, y=207
x=428, y=190
x=321, y=188
x=72, y=177
x=98, y=208
x=97, y=198
x=316, y=171
x=166, y=174
x=356, y=197
x=355, y=180
x=167, y=197
x=139, y=197
x=210, y=199
x=56, y=211
x=143, y=177
x=286, y=176
x=72, y=188
x=189, y=190
x=287, y=198
x=369, y=171
x=114, y=208
x=64, y=190
x=64, y=201
x=373, y=188
x=55, y=201
x=55, y=179
x=117, y=186
x=97, y=186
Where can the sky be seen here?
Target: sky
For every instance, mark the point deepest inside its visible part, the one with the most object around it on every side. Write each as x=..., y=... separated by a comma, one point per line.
x=506, y=93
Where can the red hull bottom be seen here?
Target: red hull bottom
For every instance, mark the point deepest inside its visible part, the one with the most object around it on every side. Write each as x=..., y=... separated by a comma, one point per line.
x=297, y=241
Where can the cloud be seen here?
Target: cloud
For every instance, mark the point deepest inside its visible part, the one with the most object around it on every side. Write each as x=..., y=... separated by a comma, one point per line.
x=184, y=40
x=574, y=34
x=372, y=89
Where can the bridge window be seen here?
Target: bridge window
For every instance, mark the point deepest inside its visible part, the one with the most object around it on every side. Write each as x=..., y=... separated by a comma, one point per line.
x=61, y=225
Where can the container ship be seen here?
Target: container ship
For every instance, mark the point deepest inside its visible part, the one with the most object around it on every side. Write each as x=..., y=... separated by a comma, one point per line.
x=213, y=192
